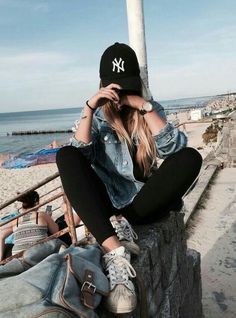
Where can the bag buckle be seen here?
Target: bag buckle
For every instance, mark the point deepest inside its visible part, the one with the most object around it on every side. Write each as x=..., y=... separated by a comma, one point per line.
x=88, y=287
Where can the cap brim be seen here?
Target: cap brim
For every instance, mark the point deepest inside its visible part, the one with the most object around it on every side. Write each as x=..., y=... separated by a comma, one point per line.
x=127, y=83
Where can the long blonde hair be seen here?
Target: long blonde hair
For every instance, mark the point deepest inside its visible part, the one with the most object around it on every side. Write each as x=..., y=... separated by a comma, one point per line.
x=134, y=129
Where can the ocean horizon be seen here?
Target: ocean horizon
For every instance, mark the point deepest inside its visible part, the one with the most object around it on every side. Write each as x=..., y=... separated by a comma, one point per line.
x=59, y=119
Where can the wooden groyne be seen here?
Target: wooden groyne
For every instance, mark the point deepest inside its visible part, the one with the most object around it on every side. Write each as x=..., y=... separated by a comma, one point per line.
x=37, y=132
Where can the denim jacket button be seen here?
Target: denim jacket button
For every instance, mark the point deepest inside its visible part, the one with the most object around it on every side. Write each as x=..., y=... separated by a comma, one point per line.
x=106, y=138
x=125, y=163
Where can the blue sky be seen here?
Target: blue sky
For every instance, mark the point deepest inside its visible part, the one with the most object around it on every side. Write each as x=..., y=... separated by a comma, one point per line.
x=50, y=49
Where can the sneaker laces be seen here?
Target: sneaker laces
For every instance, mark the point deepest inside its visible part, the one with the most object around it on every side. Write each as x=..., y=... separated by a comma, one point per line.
x=120, y=270
x=124, y=230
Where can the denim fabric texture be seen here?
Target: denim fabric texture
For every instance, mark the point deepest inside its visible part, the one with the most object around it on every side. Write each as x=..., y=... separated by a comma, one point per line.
x=111, y=158
x=52, y=287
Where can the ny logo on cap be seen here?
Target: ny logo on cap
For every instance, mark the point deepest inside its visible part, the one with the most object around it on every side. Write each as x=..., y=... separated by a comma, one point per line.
x=118, y=65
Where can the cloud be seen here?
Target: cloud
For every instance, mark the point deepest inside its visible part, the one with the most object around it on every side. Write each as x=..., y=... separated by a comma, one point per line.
x=194, y=66
x=31, y=67
x=43, y=80
x=201, y=77
x=39, y=5
x=219, y=41
x=33, y=58
x=43, y=7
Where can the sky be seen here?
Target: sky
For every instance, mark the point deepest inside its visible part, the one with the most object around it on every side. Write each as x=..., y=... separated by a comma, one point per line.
x=50, y=49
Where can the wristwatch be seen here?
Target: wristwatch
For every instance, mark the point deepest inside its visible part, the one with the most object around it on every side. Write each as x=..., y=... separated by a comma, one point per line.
x=146, y=108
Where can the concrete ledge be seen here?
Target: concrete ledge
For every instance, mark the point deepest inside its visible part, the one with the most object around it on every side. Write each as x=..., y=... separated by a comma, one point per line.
x=192, y=199
x=170, y=273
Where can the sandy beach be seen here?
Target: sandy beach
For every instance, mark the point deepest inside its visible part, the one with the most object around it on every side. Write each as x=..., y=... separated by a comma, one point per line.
x=194, y=132
x=15, y=180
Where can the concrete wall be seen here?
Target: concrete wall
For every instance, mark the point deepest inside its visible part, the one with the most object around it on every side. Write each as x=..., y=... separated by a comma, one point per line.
x=169, y=272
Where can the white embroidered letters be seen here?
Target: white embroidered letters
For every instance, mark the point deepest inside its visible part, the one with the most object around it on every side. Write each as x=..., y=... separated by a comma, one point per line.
x=118, y=65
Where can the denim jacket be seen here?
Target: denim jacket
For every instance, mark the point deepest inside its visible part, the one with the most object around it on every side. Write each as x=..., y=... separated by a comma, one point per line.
x=111, y=158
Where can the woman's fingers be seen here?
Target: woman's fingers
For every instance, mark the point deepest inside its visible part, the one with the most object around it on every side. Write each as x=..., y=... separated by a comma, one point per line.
x=103, y=96
x=110, y=92
x=115, y=89
x=113, y=85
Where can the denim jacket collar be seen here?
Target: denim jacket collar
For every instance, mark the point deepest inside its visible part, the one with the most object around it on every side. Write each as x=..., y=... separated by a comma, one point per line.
x=100, y=114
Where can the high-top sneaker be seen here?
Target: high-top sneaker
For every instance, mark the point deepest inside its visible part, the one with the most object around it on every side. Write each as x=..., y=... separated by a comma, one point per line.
x=122, y=297
x=125, y=234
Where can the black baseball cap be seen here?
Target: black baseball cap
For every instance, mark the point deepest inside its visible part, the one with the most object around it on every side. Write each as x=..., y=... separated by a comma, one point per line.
x=119, y=65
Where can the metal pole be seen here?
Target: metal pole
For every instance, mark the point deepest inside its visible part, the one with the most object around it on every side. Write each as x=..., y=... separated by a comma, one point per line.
x=36, y=186
x=56, y=196
x=137, y=35
x=71, y=224
x=49, y=238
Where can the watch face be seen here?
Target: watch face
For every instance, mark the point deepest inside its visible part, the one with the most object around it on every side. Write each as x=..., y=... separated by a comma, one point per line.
x=147, y=106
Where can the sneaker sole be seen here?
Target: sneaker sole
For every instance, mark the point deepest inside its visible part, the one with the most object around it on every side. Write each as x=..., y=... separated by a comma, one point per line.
x=121, y=310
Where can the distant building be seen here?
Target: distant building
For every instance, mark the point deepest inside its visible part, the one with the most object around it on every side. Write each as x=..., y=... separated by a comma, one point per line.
x=196, y=114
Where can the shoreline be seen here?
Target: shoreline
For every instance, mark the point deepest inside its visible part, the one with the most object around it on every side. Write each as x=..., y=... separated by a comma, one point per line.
x=21, y=143
x=182, y=114
x=24, y=143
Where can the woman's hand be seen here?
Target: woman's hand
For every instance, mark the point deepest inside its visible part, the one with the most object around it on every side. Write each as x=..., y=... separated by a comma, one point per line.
x=105, y=94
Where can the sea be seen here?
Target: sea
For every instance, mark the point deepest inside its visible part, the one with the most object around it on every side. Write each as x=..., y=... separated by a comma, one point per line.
x=60, y=119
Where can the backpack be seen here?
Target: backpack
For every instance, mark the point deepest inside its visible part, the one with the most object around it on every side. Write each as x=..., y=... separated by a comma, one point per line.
x=65, y=284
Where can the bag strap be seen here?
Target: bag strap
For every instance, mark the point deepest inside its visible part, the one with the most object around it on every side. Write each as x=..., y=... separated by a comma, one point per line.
x=88, y=288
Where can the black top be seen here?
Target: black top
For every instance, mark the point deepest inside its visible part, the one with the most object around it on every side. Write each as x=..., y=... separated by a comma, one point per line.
x=138, y=171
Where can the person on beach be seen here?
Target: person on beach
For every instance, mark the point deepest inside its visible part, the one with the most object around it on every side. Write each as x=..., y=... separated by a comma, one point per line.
x=110, y=173
x=28, y=229
x=53, y=145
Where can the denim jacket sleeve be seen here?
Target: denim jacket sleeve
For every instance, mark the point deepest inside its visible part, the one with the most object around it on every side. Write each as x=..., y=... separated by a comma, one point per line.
x=170, y=139
x=88, y=149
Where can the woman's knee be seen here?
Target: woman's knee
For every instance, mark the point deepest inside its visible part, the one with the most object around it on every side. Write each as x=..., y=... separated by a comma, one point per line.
x=66, y=154
x=192, y=156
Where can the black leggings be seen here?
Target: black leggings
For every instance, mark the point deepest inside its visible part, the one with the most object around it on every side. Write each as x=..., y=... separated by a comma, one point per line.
x=88, y=196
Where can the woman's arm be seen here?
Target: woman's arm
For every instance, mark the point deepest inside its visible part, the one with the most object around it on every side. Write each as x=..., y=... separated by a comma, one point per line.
x=168, y=138
x=52, y=226
x=154, y=121
x=83, y=132
x=4, y=232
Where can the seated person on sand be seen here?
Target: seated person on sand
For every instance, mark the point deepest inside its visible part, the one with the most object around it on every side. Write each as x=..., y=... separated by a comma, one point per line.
x=3, y=158
x=53, y=145
x=28, y=229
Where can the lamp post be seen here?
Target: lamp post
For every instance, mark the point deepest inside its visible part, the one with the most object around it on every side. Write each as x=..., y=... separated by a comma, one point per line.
x=136, y=30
